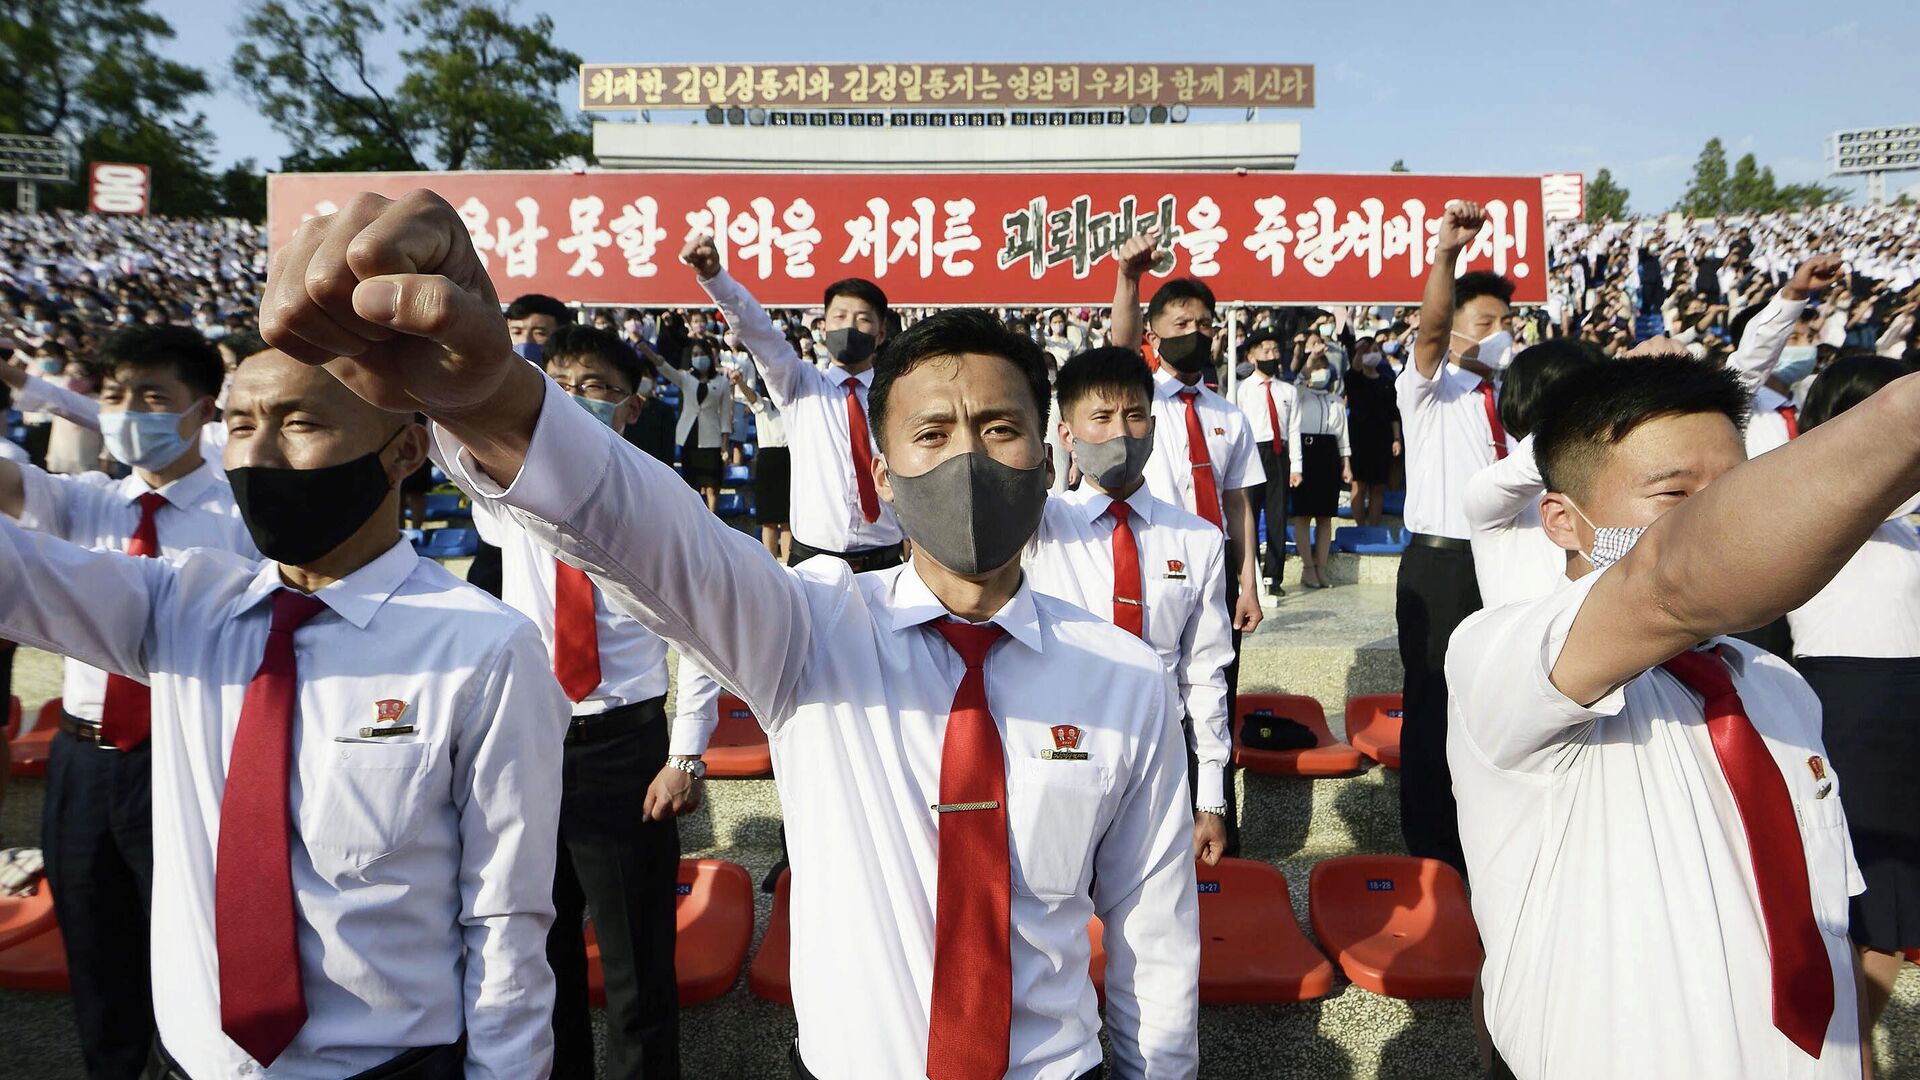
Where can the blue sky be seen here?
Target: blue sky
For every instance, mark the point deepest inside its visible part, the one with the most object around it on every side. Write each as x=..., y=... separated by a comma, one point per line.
x=1634, y=85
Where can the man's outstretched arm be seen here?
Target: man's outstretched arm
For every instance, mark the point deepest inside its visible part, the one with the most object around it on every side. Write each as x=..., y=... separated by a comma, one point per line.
x=1459, y=224
x=787, y=375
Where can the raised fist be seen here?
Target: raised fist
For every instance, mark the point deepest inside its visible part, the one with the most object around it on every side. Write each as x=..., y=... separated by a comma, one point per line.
x=701, y=254
x=1813, y=276
x=1140, y=253
x=1460, y=224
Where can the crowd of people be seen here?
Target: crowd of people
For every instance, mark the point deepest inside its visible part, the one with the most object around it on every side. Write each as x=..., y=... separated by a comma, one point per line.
x=1657, y=605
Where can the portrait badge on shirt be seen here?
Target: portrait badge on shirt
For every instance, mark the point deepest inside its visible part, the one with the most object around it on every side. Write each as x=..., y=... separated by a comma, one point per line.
x=387, y=714
x=1176, y=570
x=1066, y=743
x=1819, y=770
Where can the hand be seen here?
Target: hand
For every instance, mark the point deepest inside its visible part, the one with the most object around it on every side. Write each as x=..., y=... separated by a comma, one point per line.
x=391, y=298
x=1813, y=276
x=701, y=254
x=1346, y=472
x=1658, y=345
x=673, y=793
x=1209, y=837
x=1139, y=253
x=1460, y=224
x=1293, y=480
x=732, y=374
x=1395, y=450
x=1246, y=610
x=14, y=374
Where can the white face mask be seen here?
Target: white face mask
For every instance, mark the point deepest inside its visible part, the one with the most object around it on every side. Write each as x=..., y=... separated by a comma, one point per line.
x=1610, y=545
x=1496, y=349
x=1318, y=380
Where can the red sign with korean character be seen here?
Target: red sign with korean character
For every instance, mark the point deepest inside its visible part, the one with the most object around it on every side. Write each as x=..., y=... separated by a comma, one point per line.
x=960, y=238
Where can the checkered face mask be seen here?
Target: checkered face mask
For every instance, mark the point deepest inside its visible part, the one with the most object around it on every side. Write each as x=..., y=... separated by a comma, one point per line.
x=1610, y=545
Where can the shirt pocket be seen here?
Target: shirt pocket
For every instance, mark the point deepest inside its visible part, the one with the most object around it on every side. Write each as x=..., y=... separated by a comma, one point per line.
x=1054, y=811
x=366, y=800
x=1170, y=602
x=1823, y=823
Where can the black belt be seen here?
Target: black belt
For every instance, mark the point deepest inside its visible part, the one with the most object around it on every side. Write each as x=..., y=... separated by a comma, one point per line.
x=1443, y=543
x=85, y=730
x=800, y=1068
x=420, y=1063
x=623, y=718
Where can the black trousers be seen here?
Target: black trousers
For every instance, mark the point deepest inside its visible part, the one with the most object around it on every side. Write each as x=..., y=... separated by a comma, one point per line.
x=1270, y=499
x=1233, y=710
x=623, y=870
x=1437, y=590
x=96, y=830
x=881, y=558
x=484, y=572
x=447, y=1062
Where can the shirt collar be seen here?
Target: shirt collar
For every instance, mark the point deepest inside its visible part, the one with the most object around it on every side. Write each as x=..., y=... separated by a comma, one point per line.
x=1090, y=504
x=181, y=493
x=355, y=597
x=840, y=377
x=911, y=603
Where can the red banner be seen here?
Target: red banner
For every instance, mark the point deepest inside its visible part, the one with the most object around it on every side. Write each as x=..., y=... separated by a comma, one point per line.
x=973, y=238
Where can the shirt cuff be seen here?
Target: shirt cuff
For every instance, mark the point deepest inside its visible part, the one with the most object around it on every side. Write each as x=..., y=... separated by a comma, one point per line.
x=564, y=463
x=1212, y=785
x=690, y=736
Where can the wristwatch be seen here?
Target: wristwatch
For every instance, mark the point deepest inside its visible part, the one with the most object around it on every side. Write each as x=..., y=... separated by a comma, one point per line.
x=692, y=766
x=1217, y=811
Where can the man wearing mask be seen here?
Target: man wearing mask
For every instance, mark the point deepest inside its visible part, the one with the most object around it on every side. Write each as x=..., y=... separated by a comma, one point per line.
x=836, y=509
x=1267, y=401
x=1452, y=431
x=959, y=757
x=1145, y=565
x=353, y=857
x=1776, y=350
x=97, y=828
x=534, y=317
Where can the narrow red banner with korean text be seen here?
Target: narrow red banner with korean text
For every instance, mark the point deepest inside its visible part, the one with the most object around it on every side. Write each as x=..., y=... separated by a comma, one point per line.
x=959, y=238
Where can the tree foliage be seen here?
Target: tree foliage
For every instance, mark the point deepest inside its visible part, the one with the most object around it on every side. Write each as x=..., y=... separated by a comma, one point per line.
x=1606, y=199
x=1399, y=165
x=1749, y=189
x=479, y=89
x=1707, y=195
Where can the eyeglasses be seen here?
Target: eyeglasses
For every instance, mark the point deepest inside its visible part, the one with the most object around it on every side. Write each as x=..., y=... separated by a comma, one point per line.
x=590, y=388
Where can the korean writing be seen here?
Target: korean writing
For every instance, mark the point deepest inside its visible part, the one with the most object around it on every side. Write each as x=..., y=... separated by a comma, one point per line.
x=1321, y=239
x=1044, y=239
x=912, y=235
x=755, y=237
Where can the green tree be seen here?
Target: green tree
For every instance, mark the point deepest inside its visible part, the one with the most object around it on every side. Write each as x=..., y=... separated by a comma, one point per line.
x=1707, y=195
x=1802, y=196
x=88, y=70
x=242, y=191
x=1399, y=165
x=1751, y=189
x=479, y=91
x=1606, y=199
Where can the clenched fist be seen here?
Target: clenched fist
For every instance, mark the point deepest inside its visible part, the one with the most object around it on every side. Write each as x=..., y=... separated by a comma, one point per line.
x=701, y=254
x=1460, y=224
x=1139, y=254
x=1812, y=277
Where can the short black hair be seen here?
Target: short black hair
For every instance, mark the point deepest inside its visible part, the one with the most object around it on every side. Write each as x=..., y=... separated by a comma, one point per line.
x=1597, y=405
x=1535, y=371
x=574, y=340
x=1110, y=371
x=1478, y=283
x=1180, y=288
x=193, y=359
x=950, y=333
x=534, y=303
x=859, y=289
x=1848, y=381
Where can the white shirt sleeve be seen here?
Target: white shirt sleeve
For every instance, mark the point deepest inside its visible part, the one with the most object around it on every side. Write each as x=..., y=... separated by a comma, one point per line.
x=1499, y=493
x=1242, y=468
x=1145, y=878
x=655, y=552
x=1294, y=454
x=696, y=710
x=1207, y=646
x=502, y=760
x=94, y=606
x=43, y=395
x=787, y=376
x=1763, y=340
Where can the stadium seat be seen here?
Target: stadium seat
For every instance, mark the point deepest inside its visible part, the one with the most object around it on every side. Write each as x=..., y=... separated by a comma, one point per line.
x=30, y=751
x=448, y=506
x=13, y=718
x=1373, y=727
x=36, y=962
x=1397, y=925
x=737, y=475
x=1395, y=503
x=1368, y=540
x=440, y=476
x=771, y=976
x=1330, y=757
x=22, y=917
x=731, y=504
x=714, y=924
x=738, y=749
x=451, y=542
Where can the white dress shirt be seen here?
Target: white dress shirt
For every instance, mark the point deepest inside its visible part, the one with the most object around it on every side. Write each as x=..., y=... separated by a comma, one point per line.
x=95, y=511
x=826, y=510
x=633, y=662
x=1512, y=557
x=422, y=865
x=46, y=396
x=1872, y=606
x=14, y=452
x=696, y=710
x=713, y=415
x=1753, y=360
x=1230, y=447
x=1252, y=394
x=1183, y=583
x=1447, y=439
x=853, y=689
x=1317, y=412
x=1613, y=887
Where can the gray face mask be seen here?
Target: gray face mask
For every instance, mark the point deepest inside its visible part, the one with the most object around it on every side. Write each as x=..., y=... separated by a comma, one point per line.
x=1115, y=463
x=1610, y=544
x=970, y=513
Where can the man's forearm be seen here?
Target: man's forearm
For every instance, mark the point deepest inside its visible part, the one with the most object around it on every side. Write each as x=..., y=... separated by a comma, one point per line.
x=1241, y=536
x=1431, y=343
x=13, y=489
x=778, y=363
x=1125, y=329
x=498, y=432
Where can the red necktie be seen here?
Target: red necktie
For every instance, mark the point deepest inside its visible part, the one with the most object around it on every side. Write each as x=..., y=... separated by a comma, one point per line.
x=971, y=1019
x=1206, y=496
x=862, y=453
x=1792, y=416
x=1485, y=390
x=1802, y=975
x=1128, y=608
x=1273, y=421
x=127, y=709
x=262, y=1004
x=576, y=640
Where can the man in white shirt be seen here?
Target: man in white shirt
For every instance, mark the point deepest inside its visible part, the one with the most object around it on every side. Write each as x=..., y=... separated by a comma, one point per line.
x=1452, y=430
x=835, y=508
x=1267, y=401
x=97, y=820
x=952, y=787
x=614, y=858
x=1145, y=565
x=356, y=762
x=1660, y=858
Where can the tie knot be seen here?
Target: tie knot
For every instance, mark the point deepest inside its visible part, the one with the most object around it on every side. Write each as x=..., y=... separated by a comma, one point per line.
x=291, y=610
x=1120, y=511
x=1189, y=394
x=850, y=383
x=151, y=502
x=1703, y=672
x=970, y=641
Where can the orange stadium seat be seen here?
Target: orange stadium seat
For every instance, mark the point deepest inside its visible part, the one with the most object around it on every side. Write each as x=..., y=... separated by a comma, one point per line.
x=1397, y=925
x=1252, y=951
x=1373, y=727
x=30, y=751
x=771, y=976
x=36, y=962
x=738, y=750
x=714, y=924
x=1329, y=757
x=22, y=917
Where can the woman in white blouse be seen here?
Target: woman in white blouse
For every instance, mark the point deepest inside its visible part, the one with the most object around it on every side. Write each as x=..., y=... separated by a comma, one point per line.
x=1317, y=444
x=1857, y=643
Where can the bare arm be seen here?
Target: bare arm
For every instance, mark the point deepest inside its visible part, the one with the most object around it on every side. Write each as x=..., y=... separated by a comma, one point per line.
x=1135, y=258
x=1458, y=226
x=13, y=489
x=1241, y=537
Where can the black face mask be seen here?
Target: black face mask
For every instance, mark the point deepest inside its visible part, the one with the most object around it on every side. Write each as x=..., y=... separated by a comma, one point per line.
x=297, y=515
x=1187, y=353
x=1266, y=367
x=849, y=346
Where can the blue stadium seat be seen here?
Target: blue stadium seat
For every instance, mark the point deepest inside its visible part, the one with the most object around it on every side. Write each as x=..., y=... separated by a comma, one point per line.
x=736, y=475
x=1646, y=326
x=448, y=506
x=440, y=477
x=732, y=504
x=416, y=537
x=1396, y=503
x=1370, y=540
x=451, y=543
